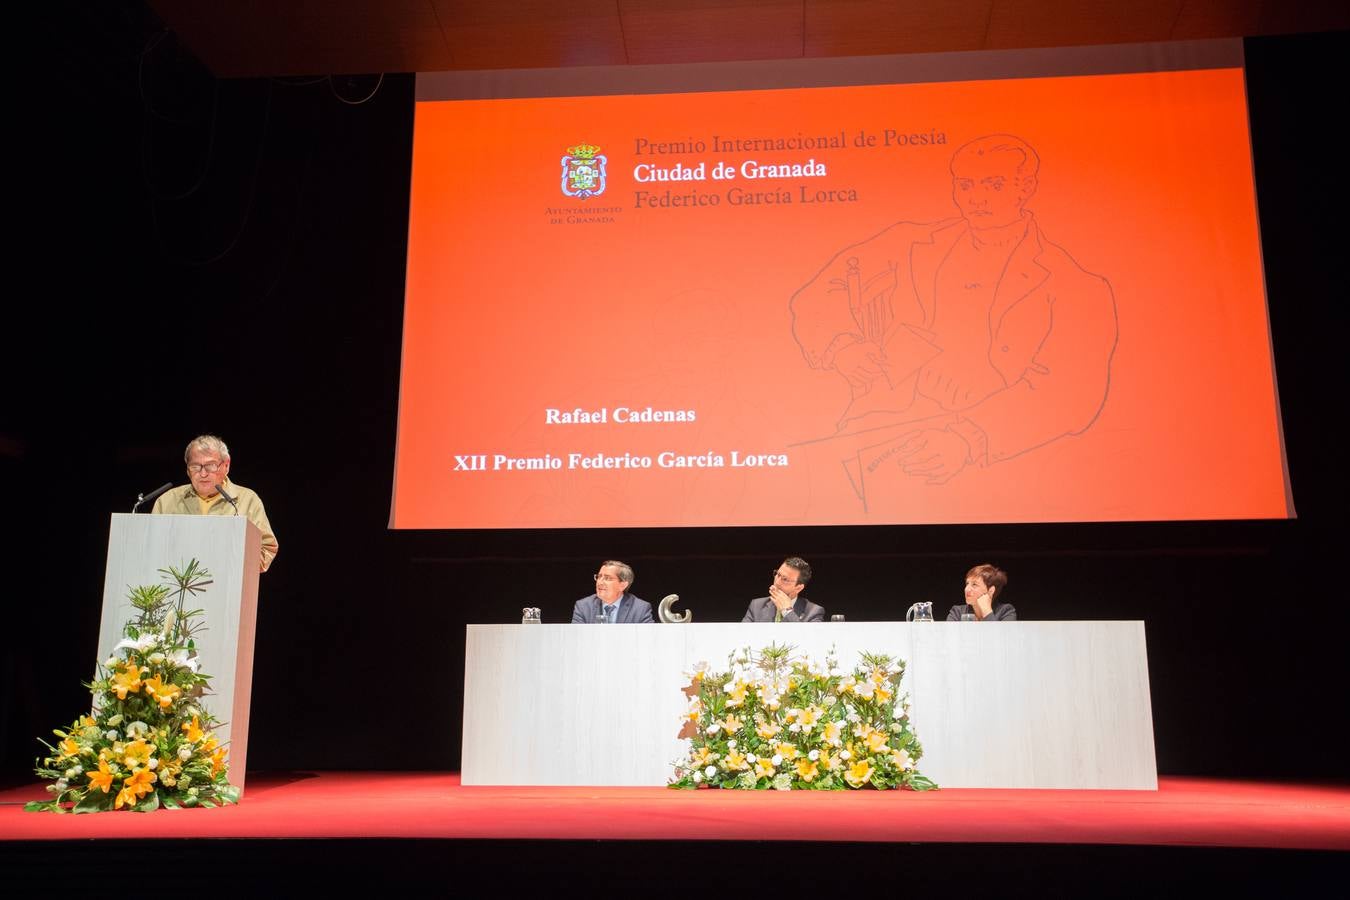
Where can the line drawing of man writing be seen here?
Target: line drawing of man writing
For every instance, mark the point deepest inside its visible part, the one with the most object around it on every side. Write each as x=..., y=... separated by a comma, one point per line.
x=966, y=341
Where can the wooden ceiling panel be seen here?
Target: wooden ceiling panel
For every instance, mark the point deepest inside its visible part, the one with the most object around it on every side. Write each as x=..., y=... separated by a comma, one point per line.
x=259, y=38
x=251, y=38
x=1288, y=16
x=677, y=31
x=1066, y=23
x=531, y=33
x=871, y=27
x=1216, y=18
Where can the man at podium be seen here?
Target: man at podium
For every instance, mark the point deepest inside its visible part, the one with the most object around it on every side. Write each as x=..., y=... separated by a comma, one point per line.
x=211, y=493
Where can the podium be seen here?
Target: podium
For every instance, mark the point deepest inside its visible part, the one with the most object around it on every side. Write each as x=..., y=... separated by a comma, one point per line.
x=230, y=548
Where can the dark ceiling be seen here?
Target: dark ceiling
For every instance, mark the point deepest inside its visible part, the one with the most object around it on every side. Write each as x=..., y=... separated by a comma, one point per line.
x=255, y=38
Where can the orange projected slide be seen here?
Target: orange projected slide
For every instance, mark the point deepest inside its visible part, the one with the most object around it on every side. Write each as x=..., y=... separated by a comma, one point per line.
x=1021, y=300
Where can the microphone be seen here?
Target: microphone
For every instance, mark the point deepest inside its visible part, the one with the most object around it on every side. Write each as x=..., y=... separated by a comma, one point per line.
x=153, y=495
x=220, y=489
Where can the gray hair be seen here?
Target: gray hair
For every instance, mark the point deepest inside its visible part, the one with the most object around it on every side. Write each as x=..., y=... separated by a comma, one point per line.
x=625, y=570
x=208, y=443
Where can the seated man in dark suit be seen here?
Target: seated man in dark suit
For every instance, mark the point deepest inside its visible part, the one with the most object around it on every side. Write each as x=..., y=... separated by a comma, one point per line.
x=785, y=603
x=611, y=603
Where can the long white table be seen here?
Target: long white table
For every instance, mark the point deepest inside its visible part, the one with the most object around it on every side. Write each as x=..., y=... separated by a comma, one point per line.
x=995, y=704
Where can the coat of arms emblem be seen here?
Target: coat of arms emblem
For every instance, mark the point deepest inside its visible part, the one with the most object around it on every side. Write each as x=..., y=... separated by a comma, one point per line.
x=583, y=172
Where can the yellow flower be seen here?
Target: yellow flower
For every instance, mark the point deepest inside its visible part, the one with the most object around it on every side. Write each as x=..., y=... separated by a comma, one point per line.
x=876, y=742
x=787, y=751
x=701, y=757
x=767, y=730
x=769, y=697
x=864, y=689
x=883, y=693
x=69, y=747
x=899, y=759
x=692, y=713
x=764, y=768
x=845, y=685
x=736, y=696
x=137, y=753
x=735, y=761
x=134, y=788
x=127, y=681
x=732, y=724
x=164, y=693
x=807, y=770
x=858, y=773
x=831, y=762
x=807, y=717
x=194, y=730
x=832, y=734
x=862, y=730
x=102, y=779
x=218, y=760
x=88, y=721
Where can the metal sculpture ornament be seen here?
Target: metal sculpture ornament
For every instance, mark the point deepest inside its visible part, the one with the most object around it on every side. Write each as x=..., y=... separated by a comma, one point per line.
x=668, y=617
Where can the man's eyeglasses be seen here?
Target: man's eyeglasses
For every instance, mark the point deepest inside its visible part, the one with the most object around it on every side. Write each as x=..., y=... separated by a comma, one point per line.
x=604, y=578
x=212, y=467
x=786, y=579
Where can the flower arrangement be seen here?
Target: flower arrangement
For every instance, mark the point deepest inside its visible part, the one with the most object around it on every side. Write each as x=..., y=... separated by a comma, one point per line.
x=778, y=721
x=148, y=742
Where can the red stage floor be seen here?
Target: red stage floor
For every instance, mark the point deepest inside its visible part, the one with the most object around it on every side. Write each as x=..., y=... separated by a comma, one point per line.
x=1183, y=812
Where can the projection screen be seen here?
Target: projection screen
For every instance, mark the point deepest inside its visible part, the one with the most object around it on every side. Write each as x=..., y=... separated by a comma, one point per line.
x=967, y=288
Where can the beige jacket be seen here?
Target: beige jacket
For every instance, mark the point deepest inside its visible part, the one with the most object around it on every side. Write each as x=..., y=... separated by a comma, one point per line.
x=182, y=501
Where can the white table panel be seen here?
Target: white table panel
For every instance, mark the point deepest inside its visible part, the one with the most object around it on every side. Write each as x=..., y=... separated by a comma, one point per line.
x=1006, y=704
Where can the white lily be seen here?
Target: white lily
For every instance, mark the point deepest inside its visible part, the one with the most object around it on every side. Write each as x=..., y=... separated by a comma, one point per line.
x=182, y=659
x=142, y=643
